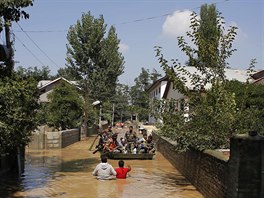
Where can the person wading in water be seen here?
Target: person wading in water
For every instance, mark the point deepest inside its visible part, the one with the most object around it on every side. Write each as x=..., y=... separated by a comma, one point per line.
x=104, y=170
x=121, y=172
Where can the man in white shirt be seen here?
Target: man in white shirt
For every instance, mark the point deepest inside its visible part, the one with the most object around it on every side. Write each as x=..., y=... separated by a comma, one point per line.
x=104, y=170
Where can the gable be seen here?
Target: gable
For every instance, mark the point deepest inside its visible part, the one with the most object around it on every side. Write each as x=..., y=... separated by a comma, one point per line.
x=46, y=87
x=258, y=75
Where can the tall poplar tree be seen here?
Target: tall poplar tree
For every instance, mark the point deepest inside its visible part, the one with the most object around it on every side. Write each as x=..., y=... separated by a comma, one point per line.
x=93, y=57
x=212, y=113
x=209, y=33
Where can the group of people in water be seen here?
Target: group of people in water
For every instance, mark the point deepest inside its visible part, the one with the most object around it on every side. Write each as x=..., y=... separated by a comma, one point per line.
x=105, y=171
x=130, y=143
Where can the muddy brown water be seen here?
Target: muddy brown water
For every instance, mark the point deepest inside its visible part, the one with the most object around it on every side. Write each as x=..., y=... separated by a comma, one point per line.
x=68, y=173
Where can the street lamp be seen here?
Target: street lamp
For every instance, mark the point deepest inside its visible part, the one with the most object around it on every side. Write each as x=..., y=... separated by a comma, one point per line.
x=97, y=102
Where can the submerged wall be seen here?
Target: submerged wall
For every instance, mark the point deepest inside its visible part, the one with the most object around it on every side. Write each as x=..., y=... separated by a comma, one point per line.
x=205, y=170
x=216, y=176
x=9, y=161
x=54, y=139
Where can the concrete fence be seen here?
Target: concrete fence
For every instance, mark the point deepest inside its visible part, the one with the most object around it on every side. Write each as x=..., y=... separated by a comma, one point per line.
x=55, y=139
x=217, y=176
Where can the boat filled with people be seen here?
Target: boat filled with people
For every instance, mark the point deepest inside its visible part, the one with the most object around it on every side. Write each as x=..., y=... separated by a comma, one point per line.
x=129, y=146
x=129, y=156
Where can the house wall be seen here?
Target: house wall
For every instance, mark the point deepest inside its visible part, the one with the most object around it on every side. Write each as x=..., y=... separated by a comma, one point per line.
x=157, y=93
x=163, y=85
x=44, y=97
x=261, y=81
x=48, y=89
x=174, y=94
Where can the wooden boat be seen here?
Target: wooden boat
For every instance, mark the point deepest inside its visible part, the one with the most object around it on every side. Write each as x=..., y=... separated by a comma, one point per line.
x=129, y=156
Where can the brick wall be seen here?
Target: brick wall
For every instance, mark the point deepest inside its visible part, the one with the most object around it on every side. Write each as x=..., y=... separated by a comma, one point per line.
x=207, y=170
x=69, y=137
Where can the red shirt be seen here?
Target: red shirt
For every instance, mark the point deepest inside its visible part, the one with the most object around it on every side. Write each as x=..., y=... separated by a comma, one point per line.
x=121, y=173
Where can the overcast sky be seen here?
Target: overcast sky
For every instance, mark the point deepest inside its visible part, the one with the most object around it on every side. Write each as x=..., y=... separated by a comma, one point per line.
x=140, y=25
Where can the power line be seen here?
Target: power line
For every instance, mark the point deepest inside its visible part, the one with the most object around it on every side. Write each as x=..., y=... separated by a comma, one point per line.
x=41, y=31
x=164, y=15
x=125, y=22
x=29, y=50
x=37, y=45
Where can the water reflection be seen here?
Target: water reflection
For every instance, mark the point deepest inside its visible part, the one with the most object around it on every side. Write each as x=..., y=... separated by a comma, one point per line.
x=67, y=173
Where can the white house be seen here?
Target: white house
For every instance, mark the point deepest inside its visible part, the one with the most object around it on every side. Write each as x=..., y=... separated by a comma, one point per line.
x=156, y=91
x=258, y=77
x=46, y=87
x=167, y=91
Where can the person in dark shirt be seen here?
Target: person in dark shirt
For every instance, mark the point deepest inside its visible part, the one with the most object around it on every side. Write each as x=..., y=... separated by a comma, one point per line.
x=131, y=138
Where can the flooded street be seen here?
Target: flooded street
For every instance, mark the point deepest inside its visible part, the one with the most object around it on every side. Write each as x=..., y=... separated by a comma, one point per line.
x=68, y=173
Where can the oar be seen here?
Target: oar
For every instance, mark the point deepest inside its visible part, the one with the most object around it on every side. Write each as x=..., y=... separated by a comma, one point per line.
x=93, y=143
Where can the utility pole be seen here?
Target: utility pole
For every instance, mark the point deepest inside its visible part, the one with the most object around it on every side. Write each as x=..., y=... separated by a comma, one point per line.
x=113, y=115
x=100, y=117
x=10, y=53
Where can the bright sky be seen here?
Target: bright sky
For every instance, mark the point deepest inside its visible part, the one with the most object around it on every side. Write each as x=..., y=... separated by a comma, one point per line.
x=138, y=37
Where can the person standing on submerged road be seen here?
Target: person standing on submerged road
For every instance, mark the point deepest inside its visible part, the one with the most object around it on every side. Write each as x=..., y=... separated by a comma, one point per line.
x=104, y=171
x=131, y=138
x=121, y=172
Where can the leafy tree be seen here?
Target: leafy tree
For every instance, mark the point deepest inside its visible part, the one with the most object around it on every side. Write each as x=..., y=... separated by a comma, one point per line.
x=66, y=73
x=138, y=92
x=250, y=104
x=65, y=107
x=211, y=112
x=37, y=74
x=209, y=36
x=18, y=105
x=121, y=102
x=11, y=10
x=154, y=76
x=213, y=46
x=93, y=57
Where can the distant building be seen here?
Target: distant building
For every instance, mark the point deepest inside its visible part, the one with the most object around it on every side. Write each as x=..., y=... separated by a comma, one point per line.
x=163, y=88
x=258, y=77
x=156, y=91
x=47, y=86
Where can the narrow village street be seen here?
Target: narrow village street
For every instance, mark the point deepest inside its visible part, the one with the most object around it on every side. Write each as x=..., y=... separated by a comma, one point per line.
x=68, y=173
